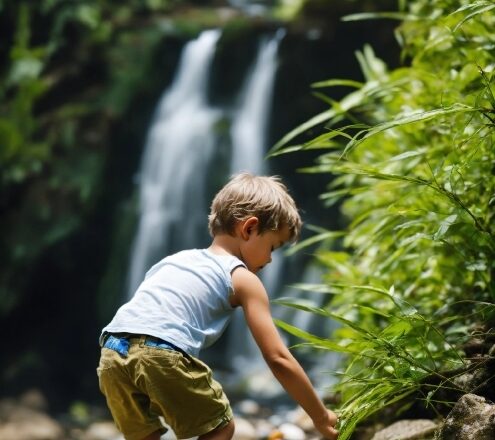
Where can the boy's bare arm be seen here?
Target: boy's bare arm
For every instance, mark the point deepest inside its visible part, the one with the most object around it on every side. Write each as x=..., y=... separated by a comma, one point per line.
x=251, y=296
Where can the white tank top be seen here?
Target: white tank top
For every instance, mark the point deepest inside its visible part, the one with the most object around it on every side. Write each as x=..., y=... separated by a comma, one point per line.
x=184, y=299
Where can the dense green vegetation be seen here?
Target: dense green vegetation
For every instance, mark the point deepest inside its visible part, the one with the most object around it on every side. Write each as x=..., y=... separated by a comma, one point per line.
x=410, y=156
x=69, y=71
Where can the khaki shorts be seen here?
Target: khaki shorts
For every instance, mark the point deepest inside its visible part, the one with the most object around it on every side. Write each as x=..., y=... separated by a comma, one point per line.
x=152, y=382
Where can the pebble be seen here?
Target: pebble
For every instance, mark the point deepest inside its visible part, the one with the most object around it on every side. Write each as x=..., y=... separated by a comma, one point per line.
x=248, y=407
x=291, y=432
x=39, y=427
x=244, y=430
x=300, y=418
x=102, y=431
x=407, y=430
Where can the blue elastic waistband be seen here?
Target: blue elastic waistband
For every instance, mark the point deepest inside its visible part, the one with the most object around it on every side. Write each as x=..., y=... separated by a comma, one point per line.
x=120, y=343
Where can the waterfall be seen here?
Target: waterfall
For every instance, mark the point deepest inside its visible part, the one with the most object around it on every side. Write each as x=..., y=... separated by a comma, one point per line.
x=249, y=145
x=173, y=173
x=250, y=125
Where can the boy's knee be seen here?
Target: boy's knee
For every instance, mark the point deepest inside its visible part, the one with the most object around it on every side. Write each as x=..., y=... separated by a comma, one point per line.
x=225, y=432
x=230, y=429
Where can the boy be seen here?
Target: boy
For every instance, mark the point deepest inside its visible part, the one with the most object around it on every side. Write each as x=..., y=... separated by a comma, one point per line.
x=149, y=366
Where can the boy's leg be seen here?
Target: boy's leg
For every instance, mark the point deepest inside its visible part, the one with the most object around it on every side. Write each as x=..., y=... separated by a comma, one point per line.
x=153, y=436
x=224, y=433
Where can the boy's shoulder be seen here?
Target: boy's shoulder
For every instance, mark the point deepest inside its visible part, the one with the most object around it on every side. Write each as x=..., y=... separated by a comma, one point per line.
x=198, y=258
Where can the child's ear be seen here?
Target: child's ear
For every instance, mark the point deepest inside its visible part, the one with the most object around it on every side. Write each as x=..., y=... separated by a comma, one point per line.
x=249, y=226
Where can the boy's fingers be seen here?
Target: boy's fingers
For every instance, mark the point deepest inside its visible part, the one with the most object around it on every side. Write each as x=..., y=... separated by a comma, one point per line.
x=335, y=434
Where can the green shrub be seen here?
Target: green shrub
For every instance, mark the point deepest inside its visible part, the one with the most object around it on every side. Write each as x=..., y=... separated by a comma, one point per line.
x=410, y=156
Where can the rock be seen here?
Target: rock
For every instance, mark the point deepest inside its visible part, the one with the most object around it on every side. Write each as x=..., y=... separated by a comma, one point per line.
x=300, y=418
x=102, y=431
x=26, y=424
x=248, y=407
x=276, y=419
x=263, y=428
x=244, y=430
x=291, y=432
x=33, y=399
x=421, y=429
x=24, y=419
x=472, y=418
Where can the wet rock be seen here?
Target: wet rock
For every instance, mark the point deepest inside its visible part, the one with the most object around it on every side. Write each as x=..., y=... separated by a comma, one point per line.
x=472, y=418
x=244, y=430
x=291, y=432
x=26, y=424
x=102, y=431
x=24, y=419
x=33, y=399
x=248, y=407
x=421, y=429
x=300, y=418
x=263, y=428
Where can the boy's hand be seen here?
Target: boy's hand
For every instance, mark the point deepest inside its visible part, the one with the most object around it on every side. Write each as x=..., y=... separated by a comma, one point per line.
x=326, y=424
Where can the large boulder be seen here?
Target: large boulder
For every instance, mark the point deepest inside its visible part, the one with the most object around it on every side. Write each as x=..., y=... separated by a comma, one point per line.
x=472, y=418
x=421, y=429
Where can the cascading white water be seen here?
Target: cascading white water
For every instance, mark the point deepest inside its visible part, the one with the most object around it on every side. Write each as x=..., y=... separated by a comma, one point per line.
x=250, y=124
x=250, y=127
x=173, y=174
x=249, y=146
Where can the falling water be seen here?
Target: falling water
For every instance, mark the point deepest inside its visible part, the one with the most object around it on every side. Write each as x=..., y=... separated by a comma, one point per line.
x=174, y=169
x=249, y=146
x=250, y=124
x=174, y=172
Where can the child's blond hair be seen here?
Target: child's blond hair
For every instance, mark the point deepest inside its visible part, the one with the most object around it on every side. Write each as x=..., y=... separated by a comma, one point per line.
x=247, y=195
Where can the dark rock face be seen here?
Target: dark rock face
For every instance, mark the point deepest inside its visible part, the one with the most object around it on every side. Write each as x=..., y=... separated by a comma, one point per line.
x=472, y=418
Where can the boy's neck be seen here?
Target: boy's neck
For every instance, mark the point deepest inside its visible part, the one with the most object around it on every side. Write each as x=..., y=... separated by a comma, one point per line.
x=225, y=244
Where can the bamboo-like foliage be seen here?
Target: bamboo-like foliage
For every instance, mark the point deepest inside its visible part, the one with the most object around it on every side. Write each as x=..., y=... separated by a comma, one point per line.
x=410, y=156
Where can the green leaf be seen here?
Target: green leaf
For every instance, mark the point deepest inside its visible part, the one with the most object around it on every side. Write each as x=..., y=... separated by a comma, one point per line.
x=307, y=307
x=409, y=118
x=328, y=235
x=444, y=226
x=482, y=8
x=338, y=82
x=316, y=120
x=378, y=15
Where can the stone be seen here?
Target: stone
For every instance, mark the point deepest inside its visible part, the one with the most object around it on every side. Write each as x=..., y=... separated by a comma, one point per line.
x=263, y=428
x=300, y=418
x=35, y=427
x=248, y=407
x=472, y=418
x=420, y=429
x=244, y=430
x=102, y=431
x=291, y=432
x=33, y=399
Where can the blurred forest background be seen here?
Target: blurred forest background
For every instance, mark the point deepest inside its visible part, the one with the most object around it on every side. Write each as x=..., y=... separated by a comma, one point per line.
x=399, y=179
x=80, y=83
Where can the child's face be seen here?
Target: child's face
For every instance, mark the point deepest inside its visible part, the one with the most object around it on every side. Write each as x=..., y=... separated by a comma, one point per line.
x=256, y=251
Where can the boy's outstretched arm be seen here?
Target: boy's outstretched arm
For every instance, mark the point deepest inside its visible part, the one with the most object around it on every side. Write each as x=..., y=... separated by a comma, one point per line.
x=252, y=297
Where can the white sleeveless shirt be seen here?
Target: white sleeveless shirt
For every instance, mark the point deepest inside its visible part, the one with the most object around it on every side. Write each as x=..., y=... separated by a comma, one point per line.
x=184, y=299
